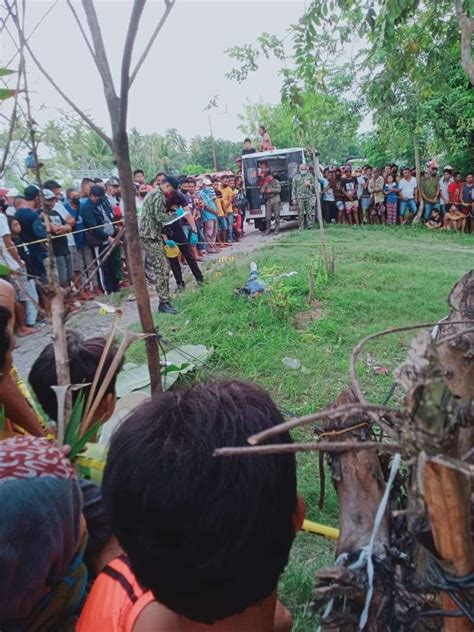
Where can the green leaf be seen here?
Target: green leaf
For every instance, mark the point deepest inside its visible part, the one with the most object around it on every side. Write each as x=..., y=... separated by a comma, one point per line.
x=2, y=419
x=80, y=443
x=4, y=72
x=6, y=93
x=72, y=428
x=4, y=270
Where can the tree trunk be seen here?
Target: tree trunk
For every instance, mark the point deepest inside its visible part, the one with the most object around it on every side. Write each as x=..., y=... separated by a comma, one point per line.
x=416, y=149
x=134, y=257
x=322, y=234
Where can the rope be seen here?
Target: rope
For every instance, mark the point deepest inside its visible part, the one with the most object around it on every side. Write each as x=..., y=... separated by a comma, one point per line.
x=365, y=558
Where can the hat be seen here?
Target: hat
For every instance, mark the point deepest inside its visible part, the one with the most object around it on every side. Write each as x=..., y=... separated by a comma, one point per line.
x=207, y=182
x=48, y=194
x=31, y=192
x=113, y=181
x=173, y=181
x=97, y=190
x=448, y=168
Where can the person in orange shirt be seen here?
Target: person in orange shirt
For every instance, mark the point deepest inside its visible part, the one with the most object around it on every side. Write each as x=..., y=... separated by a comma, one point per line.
x=205, y=549
x=228, y=206
x=221, y=217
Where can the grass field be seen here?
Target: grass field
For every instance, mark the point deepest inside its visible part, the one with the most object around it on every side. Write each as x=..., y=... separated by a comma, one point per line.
x=383, y=277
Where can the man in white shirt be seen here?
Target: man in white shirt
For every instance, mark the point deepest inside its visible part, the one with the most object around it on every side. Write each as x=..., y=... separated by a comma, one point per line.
x=443, y=189
x=408, y=193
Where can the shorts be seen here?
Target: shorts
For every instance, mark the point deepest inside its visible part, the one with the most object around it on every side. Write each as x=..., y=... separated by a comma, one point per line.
x=352, y=206
x=340, y=205
x=78, y=263
x=364, y=203
x=222, y=223
x=410, y=204
x=20, y=283
x=64, y=268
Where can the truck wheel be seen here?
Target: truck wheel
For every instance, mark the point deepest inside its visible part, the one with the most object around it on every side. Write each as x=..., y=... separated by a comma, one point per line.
x=261, y=224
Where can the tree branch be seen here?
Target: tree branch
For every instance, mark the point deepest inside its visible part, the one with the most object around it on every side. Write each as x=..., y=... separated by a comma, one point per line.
x=134, y=23
x=320, y=446
x=45, y=73
x=328, y=413
x=169, y=4
x=81, y=28
x=100, y=58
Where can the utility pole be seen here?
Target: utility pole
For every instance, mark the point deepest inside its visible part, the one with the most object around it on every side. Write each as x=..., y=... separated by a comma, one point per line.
x=214, y=159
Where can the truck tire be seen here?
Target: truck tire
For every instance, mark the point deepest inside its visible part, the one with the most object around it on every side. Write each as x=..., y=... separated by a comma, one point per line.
x=261, y=224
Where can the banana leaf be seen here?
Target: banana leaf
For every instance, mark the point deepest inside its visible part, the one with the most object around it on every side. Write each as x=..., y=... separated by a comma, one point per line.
x=80, y=443
x=72, y=429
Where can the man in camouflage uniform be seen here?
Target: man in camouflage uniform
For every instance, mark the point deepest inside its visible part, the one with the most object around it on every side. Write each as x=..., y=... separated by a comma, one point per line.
x=303, y=196
x=151, y=223
x=271, y=190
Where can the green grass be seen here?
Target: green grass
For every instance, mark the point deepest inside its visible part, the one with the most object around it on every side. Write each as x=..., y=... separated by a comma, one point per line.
x=384, y=277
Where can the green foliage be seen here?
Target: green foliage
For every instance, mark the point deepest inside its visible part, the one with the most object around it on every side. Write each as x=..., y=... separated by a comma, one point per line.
x=200, y=152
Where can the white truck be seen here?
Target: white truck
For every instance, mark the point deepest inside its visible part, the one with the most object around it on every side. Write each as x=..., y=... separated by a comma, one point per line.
x=286, y=163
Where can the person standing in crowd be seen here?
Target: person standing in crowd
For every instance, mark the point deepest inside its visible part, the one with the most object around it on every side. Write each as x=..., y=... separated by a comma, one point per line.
x=32, y=298
x=10, y=257
x=349, y=186
x=408, y=194
x=329, y=201
x=302, y=196
x=390, y=190
x=271, y=191
x=154, y=215
x=248, y=149
x=175, y=200
x=467, y=201
x=455, y=190
x=443, y=189
x=240, y=200
x=98, y=216
x=209, y=214
x=86, y=184
x=139, y=177
x=59, y=229
x=227, y=206
x=82, y=255
x=376, y=189
x=429, y=190
x=336, y=184
x=365, y=194
x=221, y=218
x=266, y=144
x=32, y=229
x=197, y=212
x=142, y=191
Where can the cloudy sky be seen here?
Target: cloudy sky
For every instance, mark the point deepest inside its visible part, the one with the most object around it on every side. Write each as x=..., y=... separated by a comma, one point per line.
x=185, y=68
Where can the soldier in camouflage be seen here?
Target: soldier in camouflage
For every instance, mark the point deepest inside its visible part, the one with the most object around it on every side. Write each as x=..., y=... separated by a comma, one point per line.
x=271, y=190
x=153, y=217
x=303, y=196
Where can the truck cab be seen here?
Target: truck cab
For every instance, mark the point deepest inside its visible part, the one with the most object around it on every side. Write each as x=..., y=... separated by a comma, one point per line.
x=286, y=163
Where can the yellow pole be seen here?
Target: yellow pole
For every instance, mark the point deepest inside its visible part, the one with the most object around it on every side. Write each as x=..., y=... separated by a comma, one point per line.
x=320, y=529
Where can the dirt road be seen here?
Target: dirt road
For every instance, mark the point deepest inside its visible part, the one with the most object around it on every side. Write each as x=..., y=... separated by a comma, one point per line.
x=90, y=323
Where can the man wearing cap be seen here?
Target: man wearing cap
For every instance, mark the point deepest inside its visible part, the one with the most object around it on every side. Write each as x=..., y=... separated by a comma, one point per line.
x=151, y=225
x=60, y=208
x=60, y=229
x=303, y=196
x=97, y=215
x=112, y=188
x=271, y=191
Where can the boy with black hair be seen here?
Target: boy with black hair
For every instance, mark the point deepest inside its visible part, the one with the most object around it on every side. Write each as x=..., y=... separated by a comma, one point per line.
x=84, y=357
x=207, y=538
x=139, y=176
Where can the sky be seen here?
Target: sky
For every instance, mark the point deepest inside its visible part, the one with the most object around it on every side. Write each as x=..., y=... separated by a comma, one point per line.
x=185, y=68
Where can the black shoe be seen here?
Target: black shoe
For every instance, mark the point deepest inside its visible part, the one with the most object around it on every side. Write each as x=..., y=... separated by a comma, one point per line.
x=181, y=287
x=166, y=308
x=200, y=281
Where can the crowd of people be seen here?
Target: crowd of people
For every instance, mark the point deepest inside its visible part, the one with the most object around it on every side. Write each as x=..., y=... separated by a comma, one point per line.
x=392, y=195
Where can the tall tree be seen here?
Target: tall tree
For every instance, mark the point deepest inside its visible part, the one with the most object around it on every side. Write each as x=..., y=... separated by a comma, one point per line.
x=117, y=104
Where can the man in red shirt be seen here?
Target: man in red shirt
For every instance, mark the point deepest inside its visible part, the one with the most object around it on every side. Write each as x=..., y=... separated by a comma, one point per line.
x=454, y=190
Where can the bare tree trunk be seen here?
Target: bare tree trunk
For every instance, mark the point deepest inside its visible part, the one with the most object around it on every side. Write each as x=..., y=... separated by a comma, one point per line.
x=466, y=25
x=322, y=234
x=416, y=149
x=134, y=257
